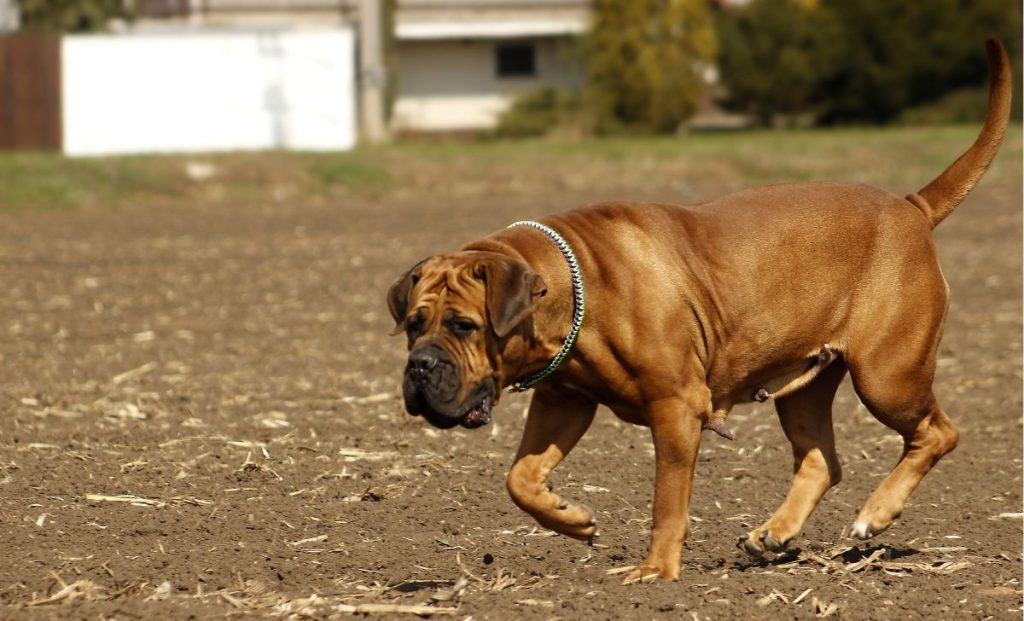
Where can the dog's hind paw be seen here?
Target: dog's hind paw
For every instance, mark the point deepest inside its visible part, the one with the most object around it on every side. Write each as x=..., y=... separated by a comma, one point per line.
x=745, y=543
x=772, y=544
x=862, y=530
x=866, y=528
x=756, y=544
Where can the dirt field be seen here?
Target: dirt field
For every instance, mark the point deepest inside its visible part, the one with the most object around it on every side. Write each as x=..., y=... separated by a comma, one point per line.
x=201, y=415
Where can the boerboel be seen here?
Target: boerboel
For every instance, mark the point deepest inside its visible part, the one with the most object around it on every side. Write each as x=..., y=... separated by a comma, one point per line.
x=771, y=293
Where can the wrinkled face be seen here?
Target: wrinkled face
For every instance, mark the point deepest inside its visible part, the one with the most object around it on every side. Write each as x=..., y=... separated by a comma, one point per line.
x=457, y=312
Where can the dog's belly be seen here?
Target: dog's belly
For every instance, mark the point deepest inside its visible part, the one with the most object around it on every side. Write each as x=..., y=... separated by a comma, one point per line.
x=778, y=379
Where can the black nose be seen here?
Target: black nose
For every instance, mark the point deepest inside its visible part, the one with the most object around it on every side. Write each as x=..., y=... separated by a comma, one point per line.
x=420, y=363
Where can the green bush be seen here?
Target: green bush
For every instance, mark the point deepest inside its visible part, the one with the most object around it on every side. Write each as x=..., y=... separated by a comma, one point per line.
x=774, y=55
x=857, y=61
x=964, y=105
x=69, y=15
x=895, y=55
x=540, y=112
x=645, y=61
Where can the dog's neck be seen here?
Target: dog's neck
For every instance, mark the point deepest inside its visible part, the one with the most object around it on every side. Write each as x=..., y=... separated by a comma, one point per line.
x=543, y=334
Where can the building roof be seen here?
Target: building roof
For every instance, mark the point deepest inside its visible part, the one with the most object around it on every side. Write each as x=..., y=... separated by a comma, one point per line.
x=415, y=19
x=492, y=29
x=489, y=19
x=168, y=7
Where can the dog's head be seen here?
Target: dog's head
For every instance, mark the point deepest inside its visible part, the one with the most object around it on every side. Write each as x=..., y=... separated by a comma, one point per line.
x=465, y=315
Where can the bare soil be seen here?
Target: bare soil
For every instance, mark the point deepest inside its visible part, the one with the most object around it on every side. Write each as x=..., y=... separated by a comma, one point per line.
x=201, y=419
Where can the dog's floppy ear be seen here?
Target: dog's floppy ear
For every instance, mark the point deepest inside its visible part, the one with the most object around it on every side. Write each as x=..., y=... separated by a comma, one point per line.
x=511, y=287
x=398, y=295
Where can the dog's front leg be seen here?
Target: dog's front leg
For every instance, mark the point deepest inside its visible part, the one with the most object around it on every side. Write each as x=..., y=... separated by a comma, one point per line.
x=554, y=425
x=676, y=428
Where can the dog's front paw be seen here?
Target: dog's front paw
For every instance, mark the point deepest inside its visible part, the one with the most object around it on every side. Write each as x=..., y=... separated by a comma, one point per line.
x=572, y=519
x=551, y=510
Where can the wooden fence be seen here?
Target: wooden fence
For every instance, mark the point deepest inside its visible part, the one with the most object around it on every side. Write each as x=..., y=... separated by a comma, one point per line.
x=30, y=92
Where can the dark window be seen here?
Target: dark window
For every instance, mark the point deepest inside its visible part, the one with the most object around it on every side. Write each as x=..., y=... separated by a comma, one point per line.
x=516, y=60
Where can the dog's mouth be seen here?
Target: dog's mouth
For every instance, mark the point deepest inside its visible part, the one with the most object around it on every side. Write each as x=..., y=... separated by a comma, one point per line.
x=475, y=411
x=478, y=414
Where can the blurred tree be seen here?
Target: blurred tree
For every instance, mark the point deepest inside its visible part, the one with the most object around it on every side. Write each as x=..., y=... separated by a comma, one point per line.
x=857, y=60
x=645, y=61
x=775, y=55
x=893, y=55
x=69, y=15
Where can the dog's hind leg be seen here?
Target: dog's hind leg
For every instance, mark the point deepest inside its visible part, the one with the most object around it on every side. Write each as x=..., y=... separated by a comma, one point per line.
x=806, y=417
x=553, y=427
x=892, y=373
x=928, y=434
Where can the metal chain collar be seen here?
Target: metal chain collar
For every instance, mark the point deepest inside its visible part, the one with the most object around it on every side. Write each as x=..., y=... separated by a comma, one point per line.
x=577, y=301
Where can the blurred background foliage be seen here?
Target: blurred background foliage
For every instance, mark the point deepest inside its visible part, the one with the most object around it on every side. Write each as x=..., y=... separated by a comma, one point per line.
x=644, y=65
x=644, y=62
x=56, y=16
x=779, y=62
x=863, y=61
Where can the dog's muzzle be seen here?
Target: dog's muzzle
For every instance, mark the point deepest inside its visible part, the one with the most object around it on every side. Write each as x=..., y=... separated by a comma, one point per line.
x=431, y=389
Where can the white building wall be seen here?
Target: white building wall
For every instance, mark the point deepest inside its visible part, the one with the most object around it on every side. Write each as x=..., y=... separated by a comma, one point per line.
x=452, y=85
x=204, y=91
x=9, y=16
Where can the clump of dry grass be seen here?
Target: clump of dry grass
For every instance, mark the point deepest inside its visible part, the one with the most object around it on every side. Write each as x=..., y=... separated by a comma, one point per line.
x=78, y=590
x=139, y=501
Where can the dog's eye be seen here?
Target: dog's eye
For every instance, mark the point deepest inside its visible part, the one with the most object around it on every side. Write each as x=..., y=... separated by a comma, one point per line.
x=462, y=326
x=414, y=326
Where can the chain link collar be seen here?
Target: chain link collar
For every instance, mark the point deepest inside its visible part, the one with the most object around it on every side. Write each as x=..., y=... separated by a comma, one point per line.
x=577, y=301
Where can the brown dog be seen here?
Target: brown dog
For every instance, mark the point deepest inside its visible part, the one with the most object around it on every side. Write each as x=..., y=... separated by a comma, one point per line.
x=775, y=292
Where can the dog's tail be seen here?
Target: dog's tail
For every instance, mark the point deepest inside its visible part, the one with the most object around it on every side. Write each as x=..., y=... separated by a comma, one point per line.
x=938, y=199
